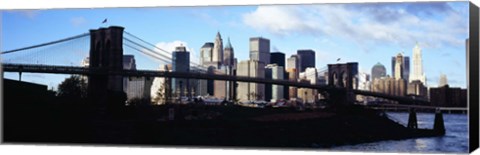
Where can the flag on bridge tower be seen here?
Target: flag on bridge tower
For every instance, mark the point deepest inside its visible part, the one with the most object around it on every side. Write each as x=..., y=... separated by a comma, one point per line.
x=104, y=21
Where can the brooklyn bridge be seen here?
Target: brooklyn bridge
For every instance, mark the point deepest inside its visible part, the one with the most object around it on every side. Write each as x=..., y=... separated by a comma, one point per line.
x=105, y=74
x=105, y=70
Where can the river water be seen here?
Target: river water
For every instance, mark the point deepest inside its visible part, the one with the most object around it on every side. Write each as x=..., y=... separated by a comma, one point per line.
x=454, y=141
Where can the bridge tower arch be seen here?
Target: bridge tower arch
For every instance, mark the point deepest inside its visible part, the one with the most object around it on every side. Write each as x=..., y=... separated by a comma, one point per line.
x=106, y=55
x=343, y=76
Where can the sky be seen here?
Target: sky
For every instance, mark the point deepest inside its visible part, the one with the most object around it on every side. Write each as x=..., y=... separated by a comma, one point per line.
x=366, y=33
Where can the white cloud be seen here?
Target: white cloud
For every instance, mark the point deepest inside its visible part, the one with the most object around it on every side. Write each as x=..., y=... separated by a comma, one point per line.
x=435, y=25
x=78, y=21
x=31, y=14
x=169, y=47
x=280, y=20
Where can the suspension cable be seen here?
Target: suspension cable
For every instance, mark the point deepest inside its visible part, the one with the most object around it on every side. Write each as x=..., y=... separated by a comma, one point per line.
x=46, y=44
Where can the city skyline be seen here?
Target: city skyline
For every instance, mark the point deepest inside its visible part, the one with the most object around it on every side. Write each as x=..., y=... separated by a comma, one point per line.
x=239, y=23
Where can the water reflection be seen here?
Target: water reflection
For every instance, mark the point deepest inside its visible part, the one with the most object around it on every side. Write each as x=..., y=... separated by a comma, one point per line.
x=454, y=141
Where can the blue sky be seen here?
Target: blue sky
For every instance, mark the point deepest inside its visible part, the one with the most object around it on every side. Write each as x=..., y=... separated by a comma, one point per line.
x=366, y=33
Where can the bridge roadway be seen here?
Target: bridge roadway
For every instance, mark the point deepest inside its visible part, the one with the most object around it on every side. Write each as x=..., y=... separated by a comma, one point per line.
x=149, y=73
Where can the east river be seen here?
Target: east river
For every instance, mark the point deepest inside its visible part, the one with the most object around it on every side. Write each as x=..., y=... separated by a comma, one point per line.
x=454, y=141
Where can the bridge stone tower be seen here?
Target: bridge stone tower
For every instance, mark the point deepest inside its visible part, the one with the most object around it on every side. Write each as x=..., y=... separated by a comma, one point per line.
x=106, y=55
x=343, y=76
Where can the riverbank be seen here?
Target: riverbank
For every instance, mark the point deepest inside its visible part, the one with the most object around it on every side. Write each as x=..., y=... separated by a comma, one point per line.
x=197, y=125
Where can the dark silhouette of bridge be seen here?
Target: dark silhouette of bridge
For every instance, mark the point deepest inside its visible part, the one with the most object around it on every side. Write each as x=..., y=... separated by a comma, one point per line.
x=105, y=71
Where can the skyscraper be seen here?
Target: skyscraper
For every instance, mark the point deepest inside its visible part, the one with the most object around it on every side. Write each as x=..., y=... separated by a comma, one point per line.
x=260, y=50
x=228, y=57
x=206, y=54
x=398, y=74
x=250, y=91
x=417, y=66
x=293, y=63
x=277, y=58
x=292, y=71
x=218, y=49
x=405, y=66
x=306, y=58
x=274, y=92
x=229, y=62
x=378, y=71
x=180, y=63
x=135, y=87
x=443, y=80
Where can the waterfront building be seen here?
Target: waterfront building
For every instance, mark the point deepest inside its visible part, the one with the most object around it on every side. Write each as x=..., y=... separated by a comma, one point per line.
x=416, y=88
x=448, y=97
x=390, y=86
x=364, y=83
x=260, y=50
x=250, y=91
x=306, y=58
x=378, y=71
x=279, y=59
x=274, y=92
x=135, y=87
x=418, y=73
x=311, y=75
x=306, y=95
x=220, y=86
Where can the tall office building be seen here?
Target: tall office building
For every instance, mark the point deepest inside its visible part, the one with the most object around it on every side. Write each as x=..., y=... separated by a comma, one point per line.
x=306, y=58
x=260, y=50
x=389, y=85
x=206, y=60
x=378, y=71
x=206, y=54
x=405, y=66
x=220, y=90
x=293, y=63
x=218, y=49
x=398, y=74
x=274, y=92
x=418, y=73
x=293, y=73
x=228, y=56
x=229, y=62
x=416, y=88
x=135, y=87
x=250, y=91
x=277, y=58
x=443, y=80
x=181, y=63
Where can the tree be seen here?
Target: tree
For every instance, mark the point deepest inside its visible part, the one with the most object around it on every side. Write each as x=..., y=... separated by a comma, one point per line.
x=73, y=88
